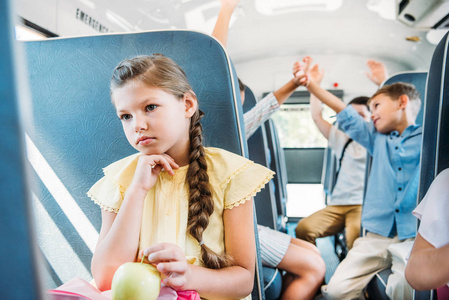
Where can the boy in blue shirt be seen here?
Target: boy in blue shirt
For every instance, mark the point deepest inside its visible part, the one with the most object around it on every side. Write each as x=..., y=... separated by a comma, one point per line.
x=394, y=141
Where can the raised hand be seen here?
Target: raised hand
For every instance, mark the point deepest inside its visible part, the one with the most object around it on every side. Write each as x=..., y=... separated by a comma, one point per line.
x=229, y=4
x=170, y=261
x=148, y=169
x=301, y=71
x=316, y=74
x=378, y=72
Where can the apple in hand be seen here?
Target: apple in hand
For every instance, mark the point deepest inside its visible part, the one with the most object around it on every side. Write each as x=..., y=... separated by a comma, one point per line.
x=136, y=281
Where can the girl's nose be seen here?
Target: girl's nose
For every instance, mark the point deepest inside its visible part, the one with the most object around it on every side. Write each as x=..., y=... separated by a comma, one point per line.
x=139, y=124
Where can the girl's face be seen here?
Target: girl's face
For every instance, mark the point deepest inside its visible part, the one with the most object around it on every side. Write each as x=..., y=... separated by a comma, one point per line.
x=154, y=121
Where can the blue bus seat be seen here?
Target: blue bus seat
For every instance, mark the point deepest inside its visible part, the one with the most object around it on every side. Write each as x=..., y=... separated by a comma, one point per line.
x=259, y=152
x=435, y=146
x=265, y=202
x=19, y=269
x=280, y=179
x=328, y=172
x=272, y=283
x=418, y=79
x=434, y=158
x=77, y=132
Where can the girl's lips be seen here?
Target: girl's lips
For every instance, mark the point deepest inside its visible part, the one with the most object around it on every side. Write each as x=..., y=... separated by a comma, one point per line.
x=145, y=140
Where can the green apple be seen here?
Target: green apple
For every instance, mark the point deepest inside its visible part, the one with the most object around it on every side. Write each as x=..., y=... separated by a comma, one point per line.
x=136, y=281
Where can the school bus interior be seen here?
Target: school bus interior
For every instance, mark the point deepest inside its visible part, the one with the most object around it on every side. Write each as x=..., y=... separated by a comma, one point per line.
x=53, y=135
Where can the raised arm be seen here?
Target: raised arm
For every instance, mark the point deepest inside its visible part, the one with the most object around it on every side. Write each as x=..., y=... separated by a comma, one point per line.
x=224, y=16
x=378, y=72
x=315, y=105
x=428, y=267
x=301, y=73
x=263, y=109
x=283, y=93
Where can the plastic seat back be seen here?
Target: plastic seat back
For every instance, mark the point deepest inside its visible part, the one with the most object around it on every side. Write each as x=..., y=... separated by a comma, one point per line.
x=435, y=146
x=280, y=179
x=19, y=271
x=259, y=152
x=434, y=155
x=265, y=200
x=76, y=131
x=328, y=172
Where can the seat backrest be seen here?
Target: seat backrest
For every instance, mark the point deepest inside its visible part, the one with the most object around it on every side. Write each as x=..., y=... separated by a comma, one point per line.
x=329, y=171
x=18, y=278
x=76, y=131
x=435, y=149
x=258, y=152
x=277, y=164
x=435, y=145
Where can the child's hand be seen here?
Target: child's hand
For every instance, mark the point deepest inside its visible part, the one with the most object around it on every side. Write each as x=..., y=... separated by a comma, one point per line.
x=170, y=261
x=301, y=71
x=316, y=74
x=231, y=4
x=149, y=167
x=378, y=72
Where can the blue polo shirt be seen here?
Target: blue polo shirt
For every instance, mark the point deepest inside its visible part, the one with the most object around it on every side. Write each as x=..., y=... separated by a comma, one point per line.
x=392, y=187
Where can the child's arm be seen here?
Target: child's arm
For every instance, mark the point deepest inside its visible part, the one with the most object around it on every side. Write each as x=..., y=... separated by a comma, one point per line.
x=224, y=16
x=263, y=109
x=283, y=93
x=119, y=236
x=427, y=267
x=301, y=73
x=378, y=72
x=228, y=283
x=315, y=105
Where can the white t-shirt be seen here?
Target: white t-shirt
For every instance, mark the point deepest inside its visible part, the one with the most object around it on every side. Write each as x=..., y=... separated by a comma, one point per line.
x=348, y=189
x=433, y=211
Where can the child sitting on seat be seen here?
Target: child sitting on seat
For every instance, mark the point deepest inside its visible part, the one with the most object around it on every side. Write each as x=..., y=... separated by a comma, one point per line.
x=304, y=268
x=394, y=141
x=187, y=208
x=428, y=264
x=344, y=208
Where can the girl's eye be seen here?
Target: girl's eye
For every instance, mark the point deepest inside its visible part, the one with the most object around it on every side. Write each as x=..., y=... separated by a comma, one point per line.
x=150, y=107
x=125, y=117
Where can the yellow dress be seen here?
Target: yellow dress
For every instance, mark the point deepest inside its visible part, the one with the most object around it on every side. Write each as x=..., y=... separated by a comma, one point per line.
x=233, y=178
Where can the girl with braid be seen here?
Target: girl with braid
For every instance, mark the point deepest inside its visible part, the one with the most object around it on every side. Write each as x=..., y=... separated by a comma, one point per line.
x=186, y=208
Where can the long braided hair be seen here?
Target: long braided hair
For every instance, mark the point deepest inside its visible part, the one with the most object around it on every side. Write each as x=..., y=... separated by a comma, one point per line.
x=161, y=72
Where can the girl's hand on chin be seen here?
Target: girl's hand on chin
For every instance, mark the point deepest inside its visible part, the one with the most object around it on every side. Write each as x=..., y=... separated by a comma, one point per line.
x=149, y=167
x=171, y=262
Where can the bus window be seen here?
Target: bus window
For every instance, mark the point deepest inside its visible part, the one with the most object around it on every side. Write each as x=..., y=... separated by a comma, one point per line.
x=302, y=142
x=296, y=128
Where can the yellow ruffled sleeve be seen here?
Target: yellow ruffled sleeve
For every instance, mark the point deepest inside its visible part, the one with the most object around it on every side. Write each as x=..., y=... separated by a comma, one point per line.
x=245, y=184
x=109, y=191
x=240, y=178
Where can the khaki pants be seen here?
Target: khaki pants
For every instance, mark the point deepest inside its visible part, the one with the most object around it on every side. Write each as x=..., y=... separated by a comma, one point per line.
x=368, y=256
x=330, y=221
